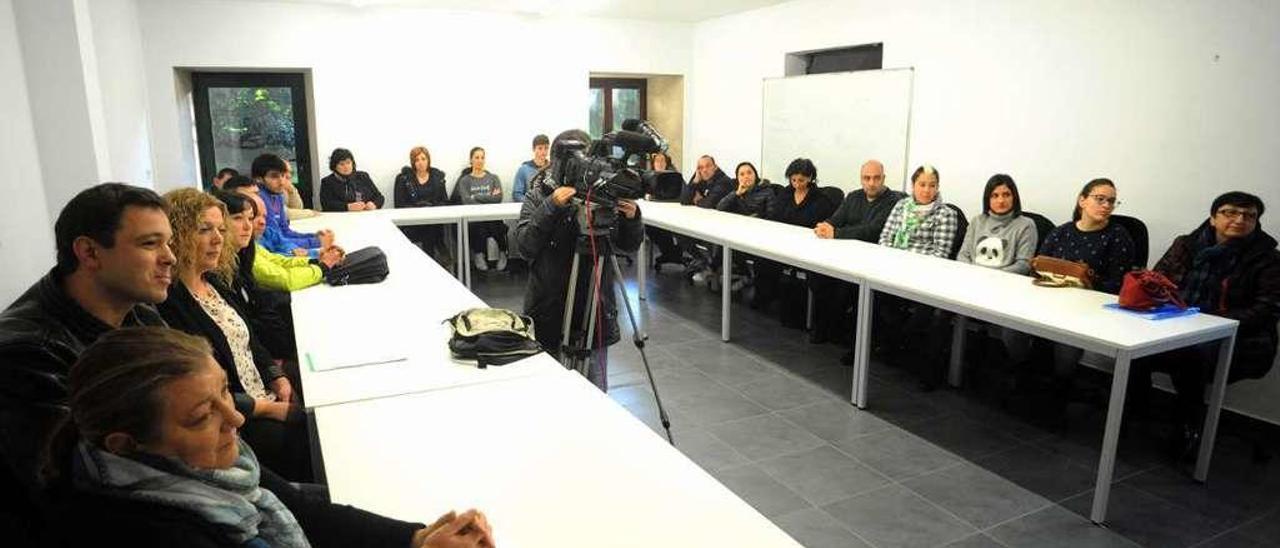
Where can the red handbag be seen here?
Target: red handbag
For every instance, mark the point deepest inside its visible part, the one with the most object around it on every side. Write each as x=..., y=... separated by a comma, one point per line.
x=1148, y=289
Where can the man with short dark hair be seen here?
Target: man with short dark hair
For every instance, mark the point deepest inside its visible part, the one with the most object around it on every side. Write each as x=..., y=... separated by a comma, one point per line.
x=113, y=262
x=1229, y=267
x=541, y=148
x=222, y=176
x=269, y=172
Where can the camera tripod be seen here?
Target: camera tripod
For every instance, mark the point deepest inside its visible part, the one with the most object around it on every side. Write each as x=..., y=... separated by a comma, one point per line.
x=575, y=345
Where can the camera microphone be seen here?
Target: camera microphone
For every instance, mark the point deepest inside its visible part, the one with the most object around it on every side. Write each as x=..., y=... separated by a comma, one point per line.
x=647, y=129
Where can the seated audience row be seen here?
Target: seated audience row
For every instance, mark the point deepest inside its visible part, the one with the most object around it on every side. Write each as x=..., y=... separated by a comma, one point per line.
x=122, y=249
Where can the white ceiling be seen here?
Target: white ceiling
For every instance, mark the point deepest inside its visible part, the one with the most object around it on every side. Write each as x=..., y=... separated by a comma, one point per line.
x=657, y=10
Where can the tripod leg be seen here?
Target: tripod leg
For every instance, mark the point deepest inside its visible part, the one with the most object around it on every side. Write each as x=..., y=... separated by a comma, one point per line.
x=567, y=356
x=592, y=309
x=638, y=339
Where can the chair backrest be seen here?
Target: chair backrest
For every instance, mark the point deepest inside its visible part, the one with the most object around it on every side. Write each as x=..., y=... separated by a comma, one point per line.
x=834, y=194
x=1138, y=232
x=1043, y=227
x=962, y=226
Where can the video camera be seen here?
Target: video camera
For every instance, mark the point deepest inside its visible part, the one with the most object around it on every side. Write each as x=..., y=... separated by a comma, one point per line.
x=613, y=167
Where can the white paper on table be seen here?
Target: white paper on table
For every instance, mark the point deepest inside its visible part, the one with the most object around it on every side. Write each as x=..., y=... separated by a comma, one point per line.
x=360, y=343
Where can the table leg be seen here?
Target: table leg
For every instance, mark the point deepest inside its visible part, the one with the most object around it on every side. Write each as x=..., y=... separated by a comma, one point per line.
x=1110, y=439
x=465, y=252
x=1216, y=395
x=642, y=267
x=459, y=265
x=808, y=310
x=726, y=276
x=862, y=345
x=958, y=340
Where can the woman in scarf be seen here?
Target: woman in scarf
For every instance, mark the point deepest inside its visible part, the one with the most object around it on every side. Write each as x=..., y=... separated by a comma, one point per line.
x=920, y=223
x=151, y=456
x=1229, y=267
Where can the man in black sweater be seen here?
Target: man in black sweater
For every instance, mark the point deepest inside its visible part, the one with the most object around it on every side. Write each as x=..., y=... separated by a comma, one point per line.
x=860, y=217
x=113, y=259
x=705, y=189
x=863, y=213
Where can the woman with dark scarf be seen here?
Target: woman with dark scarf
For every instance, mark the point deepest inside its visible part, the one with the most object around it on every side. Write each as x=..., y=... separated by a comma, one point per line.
x=1229, y=267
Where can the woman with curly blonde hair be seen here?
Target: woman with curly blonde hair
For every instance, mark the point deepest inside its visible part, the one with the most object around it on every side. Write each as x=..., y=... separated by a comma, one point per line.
x=201, y=302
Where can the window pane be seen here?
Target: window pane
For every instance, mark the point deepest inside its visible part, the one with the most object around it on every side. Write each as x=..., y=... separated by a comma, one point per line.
x=626, y=104
x=596, y=124
x=248, y=121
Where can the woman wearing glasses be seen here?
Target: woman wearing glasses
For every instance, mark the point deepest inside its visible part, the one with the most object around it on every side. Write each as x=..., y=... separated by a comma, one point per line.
x=1091, y=237
x=1107, y=248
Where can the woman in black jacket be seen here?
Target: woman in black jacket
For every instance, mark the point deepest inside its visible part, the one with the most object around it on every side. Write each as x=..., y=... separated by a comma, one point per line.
x=800, y=204
x=347, y=189
x=201, y=302
x=547, y=235
x=420, y=185
x=150, y=457
x=753, y=197
x=1229, y=267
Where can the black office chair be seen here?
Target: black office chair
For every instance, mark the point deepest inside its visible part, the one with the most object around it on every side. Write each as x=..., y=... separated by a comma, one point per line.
x=962, y=226
x=834, y=194
x=1043, y=227
x=1138, y=232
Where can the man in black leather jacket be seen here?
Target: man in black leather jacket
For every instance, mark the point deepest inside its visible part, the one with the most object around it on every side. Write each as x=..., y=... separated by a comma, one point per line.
x=113, y=258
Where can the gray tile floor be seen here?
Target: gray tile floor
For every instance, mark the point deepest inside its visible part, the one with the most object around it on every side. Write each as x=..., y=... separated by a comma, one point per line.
x=769, y=416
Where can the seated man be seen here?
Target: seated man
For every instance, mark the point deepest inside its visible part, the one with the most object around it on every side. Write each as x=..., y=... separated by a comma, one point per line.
x=223, y=175
x=708, y=186
x=860, y=217
x=520, y=184
x=269, y=176
x=1229, y=267
x=293, y=206
x=113, y=262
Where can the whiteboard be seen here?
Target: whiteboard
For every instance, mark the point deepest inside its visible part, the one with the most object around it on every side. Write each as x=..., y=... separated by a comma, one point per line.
x=838, y=120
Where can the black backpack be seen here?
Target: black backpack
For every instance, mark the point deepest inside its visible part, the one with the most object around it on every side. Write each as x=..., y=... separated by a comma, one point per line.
x=363, y=266
x=492, y=336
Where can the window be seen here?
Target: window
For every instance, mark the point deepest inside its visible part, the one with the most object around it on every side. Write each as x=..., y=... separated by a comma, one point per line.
x=242, y=115
x=614, y=100
x=863, y=57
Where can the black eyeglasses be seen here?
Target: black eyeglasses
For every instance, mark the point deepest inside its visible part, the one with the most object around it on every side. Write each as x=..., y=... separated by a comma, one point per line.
x=1233, y=213
x=1101, y=199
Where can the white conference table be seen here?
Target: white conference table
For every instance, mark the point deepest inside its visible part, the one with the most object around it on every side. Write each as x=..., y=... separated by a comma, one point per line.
x=1070, y=316
x=400, y=318
x=458, y=215
x=551, y=460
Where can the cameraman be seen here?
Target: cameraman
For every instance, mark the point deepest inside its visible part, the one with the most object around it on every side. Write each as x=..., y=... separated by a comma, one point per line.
x=547, y=234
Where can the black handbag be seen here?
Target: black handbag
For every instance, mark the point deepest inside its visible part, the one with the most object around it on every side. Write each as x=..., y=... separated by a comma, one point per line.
x=363, y=266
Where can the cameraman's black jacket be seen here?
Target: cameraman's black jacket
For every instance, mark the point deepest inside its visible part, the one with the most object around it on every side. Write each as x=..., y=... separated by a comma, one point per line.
x=756, y=203
x=712, y=191
x=548, y=235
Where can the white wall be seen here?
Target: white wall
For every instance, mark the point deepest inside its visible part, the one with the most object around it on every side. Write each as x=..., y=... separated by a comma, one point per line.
x=64, y=110
x=117, y=46
x=386, y=79
x=26, y=233
x=1174, y=100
